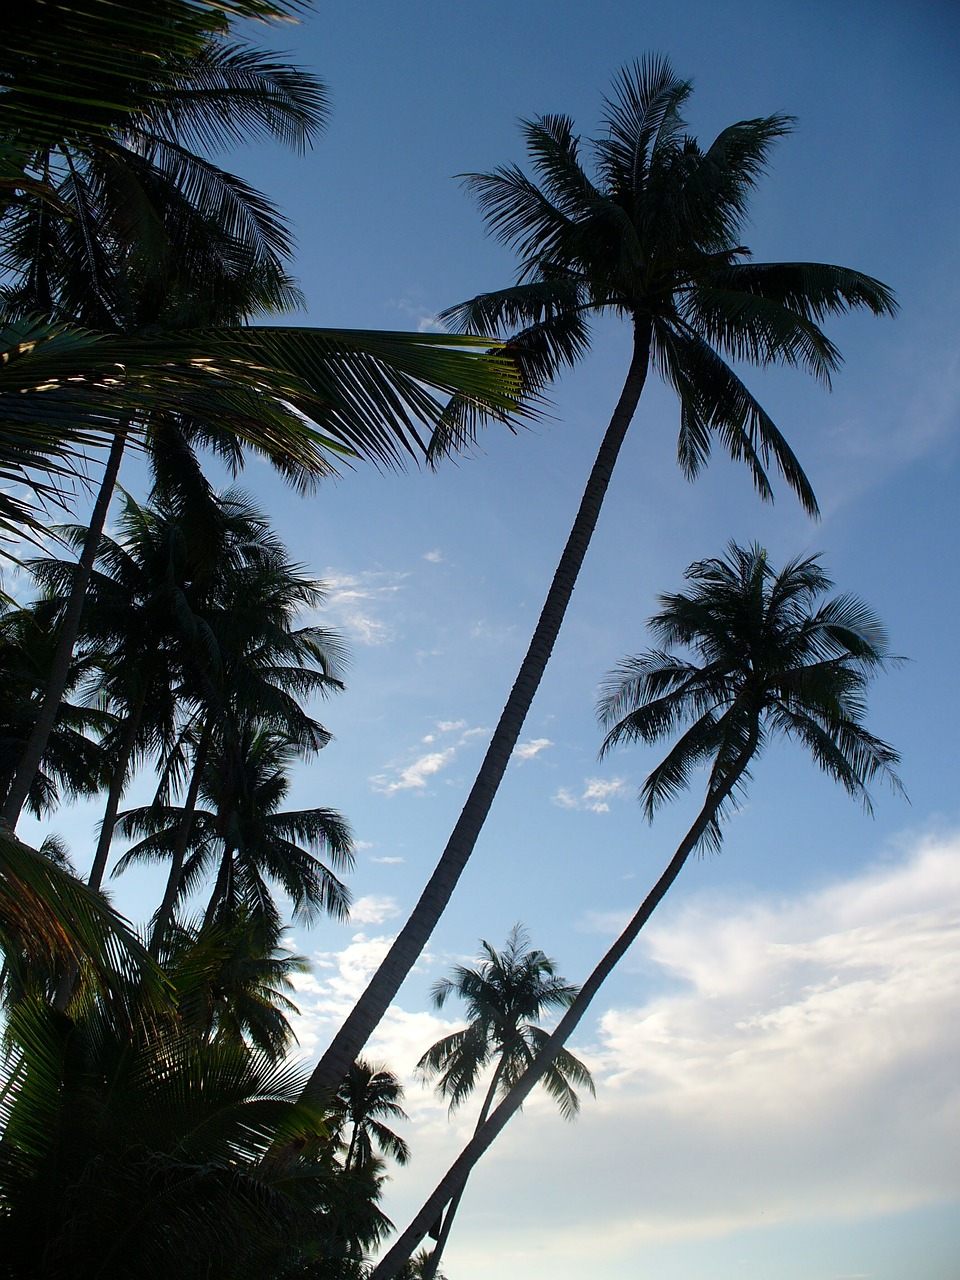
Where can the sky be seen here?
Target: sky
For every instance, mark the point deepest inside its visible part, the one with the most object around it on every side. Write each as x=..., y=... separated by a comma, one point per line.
x=776, y=1058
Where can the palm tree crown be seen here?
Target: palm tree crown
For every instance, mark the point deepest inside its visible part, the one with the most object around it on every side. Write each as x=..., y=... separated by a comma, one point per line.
x=655, y=237
x=769, y=657
x=503, y=996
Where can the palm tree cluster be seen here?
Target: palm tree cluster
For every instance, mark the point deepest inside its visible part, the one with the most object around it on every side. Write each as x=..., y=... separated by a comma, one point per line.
x=145, y=1078
x=150, y=1121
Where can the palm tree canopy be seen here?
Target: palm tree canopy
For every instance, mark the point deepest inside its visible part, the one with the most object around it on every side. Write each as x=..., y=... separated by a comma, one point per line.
x=655, y=236
x=503, y=995
x=768, y=656
x=368, y=1095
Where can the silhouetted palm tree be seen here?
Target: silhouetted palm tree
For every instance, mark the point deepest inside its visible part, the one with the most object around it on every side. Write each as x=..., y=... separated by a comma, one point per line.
x=748, y=654
x=654, y=239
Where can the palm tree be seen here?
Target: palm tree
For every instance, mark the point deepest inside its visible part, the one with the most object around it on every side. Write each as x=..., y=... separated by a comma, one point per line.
x=503, y=994
x=748, y=654
x=368, y=1094
x=144, y=235
x=247, y=839
x=656, y=241
x=136, y=1150
x=233, y=983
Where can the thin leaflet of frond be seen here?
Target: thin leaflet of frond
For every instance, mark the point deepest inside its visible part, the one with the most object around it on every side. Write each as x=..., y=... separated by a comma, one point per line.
x=816, y=290
x=757, y=330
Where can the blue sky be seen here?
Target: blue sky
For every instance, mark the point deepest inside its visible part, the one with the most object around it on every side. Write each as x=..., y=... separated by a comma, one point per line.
x=776, y=1060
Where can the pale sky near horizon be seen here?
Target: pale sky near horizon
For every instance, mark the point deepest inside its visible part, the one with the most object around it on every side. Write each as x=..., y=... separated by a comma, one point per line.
x=777, y=1061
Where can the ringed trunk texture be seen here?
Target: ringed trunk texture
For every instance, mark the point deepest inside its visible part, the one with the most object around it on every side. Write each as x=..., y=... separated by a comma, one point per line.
x=60, y=668
x=413, y=937
x=459, y=1171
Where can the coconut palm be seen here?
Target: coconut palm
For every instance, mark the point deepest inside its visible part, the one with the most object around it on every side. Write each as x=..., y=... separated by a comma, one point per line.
x=747, y=655
x=148, y=237
x=654, y=239
x=506, y=991
x=246, y=840
x=369, y=1094
x=233, y=983
x=137, y=1150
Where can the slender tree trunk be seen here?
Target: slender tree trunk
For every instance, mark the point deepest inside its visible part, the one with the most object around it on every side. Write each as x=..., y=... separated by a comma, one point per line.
x=60, y=668
x=413, y=937
x=165, y=910
x=117, y=782
x=458, y=1172
x=433, y=1262
x=221, y=886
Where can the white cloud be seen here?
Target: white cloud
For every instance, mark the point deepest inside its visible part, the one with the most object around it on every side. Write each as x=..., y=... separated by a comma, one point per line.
x=527, y=750
x=434, y=557
x=800, y=1065
x=354, y=603
x=413, y=777
x=388, y=862
x=450, y=726
x=373, y=910
x=594, y=795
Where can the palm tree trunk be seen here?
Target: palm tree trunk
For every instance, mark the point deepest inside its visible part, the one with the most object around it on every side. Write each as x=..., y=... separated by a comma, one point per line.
x=221, y=885
x=165, y=910
x=433, y=1262
x=60, y=668
x=117, y=781
x=413, y=937
x=458, y=1172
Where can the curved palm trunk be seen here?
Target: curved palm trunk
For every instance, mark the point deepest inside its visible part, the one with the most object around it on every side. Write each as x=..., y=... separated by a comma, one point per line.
x=60, y=668
x=117, y=783
x=413, y=937
x=165, y=910
x=458, y=1172
x=433, y=1262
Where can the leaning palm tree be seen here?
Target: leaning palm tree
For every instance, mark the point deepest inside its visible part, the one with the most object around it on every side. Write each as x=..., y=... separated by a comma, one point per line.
x=654, y=239
x=504, y=994
x=748, y=655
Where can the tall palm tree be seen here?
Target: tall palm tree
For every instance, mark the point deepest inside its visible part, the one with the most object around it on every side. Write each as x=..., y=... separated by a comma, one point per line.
x=504, y=994
x=654, y=239
x=748, y=654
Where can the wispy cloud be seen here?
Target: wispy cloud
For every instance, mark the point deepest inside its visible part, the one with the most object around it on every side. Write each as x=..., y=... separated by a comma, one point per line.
x=527, y=750
x=434, y=557
x=594, y=795
x=413, y=775
x=388, y=862
x=355, y=604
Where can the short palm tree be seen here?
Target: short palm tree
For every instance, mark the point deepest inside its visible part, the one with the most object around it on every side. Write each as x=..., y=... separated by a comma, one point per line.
x=748, y=654
x=136, y=1150
x=654, y=239
x=503, y=995
x=370, y=1094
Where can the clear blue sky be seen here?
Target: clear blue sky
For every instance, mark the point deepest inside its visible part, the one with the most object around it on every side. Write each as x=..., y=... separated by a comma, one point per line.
x=777, y=1061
